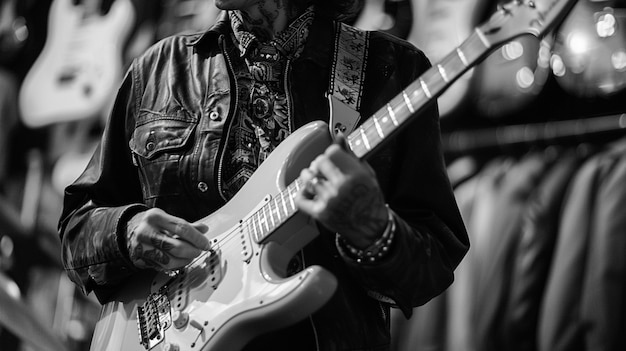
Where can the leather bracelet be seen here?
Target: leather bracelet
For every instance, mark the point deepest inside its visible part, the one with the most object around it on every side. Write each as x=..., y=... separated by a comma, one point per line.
x=376, y=251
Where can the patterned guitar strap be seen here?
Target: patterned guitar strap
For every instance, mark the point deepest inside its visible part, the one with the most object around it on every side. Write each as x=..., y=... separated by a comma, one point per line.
x=347, y=77
x=346, y=85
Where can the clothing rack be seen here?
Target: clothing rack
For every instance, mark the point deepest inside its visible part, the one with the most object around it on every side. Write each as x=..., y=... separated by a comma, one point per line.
x=548, y=133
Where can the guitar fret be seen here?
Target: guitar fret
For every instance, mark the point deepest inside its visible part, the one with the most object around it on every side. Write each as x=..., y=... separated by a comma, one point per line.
x=261, y=229
x=407, y=102
x=248, y=225
x=280, y=217
x=442, y=72
x=257, y=231
x=265, y=220
x=271, y=210
x=462, y=57
x=482, y=37
x=350, y=144
x=291, y=196
x=379, y=130
x=254, y=227
x=392, y=115
x=425, y=88
x=282, y=201
x=364, y=138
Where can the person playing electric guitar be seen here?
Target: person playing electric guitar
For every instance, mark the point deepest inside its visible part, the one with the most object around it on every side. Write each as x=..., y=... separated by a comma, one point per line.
x=199, y=118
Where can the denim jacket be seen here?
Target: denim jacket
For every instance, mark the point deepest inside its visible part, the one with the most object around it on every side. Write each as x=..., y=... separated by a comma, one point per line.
x=163, y=147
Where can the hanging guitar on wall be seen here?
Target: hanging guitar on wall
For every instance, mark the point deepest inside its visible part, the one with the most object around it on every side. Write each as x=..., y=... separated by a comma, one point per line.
x=79, y=69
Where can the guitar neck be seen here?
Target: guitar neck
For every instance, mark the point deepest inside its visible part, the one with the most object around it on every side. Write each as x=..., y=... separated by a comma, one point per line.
x=419, y=94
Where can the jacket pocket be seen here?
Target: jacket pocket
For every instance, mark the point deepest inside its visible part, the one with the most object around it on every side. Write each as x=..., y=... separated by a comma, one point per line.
x=159, y=144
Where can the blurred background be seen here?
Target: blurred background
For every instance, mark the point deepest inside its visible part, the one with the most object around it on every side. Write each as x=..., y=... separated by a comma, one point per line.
x=533, y=139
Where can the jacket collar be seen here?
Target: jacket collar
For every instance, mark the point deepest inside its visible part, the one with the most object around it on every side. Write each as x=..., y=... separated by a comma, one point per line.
x=317, y=48
x=210, y=37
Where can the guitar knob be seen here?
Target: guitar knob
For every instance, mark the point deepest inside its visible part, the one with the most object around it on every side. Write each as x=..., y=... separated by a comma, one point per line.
x=180, y=319
x=171, y=347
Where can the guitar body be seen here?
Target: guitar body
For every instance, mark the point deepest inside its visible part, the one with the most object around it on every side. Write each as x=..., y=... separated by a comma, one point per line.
x=78, y=71
x=240, y=289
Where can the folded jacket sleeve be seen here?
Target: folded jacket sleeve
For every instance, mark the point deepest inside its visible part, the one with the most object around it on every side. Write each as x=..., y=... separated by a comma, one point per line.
x=98, y=205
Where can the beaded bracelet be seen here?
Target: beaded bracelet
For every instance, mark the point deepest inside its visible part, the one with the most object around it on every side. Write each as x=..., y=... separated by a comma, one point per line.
x=376, y=251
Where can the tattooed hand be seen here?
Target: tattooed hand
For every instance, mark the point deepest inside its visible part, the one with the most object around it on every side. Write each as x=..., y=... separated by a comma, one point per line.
x=161, y=241
x=343, y=194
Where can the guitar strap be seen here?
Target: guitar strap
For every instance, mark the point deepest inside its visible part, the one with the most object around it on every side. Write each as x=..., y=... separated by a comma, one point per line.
x=346, y=87
x=347, y=77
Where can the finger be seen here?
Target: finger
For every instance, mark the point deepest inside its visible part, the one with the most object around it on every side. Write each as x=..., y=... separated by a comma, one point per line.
x=162, y=252
x=309, y=206
x=329, y=170
x=201, y=227
x=156, y=259
x=174, y=247
x=144, y=255
x=308, y=188
x=182, y=229
x=154, y=239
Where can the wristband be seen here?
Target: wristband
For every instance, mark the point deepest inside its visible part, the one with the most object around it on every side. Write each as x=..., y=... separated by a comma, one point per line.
x=376, y=251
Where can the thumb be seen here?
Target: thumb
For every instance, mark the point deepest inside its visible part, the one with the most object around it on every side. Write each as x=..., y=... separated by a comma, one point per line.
x=201, y=227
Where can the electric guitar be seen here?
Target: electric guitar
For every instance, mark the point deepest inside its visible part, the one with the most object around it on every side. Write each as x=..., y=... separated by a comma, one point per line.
x=77, y=73
x=240, y=289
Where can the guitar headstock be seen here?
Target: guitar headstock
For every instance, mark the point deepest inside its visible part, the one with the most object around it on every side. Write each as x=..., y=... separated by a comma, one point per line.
x=519, y=17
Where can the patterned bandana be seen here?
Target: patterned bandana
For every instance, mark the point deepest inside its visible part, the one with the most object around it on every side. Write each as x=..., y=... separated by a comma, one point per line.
x=263, y=119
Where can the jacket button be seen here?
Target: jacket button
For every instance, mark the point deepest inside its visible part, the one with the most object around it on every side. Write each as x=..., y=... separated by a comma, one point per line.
x=203, y=187
x=214, y=115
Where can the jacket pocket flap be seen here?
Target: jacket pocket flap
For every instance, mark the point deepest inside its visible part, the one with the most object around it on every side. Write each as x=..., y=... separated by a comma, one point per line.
x=160, y=135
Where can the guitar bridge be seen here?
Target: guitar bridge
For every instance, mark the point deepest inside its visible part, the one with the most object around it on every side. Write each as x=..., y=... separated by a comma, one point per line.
x=153, y=318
